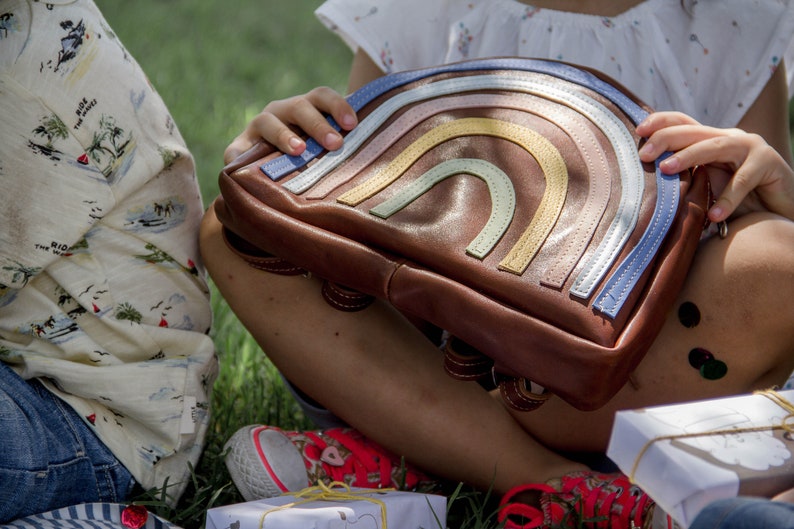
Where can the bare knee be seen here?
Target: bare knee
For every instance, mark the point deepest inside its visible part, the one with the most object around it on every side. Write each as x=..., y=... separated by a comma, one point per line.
x=743, y=287
x=743, y=290
x=768, y=290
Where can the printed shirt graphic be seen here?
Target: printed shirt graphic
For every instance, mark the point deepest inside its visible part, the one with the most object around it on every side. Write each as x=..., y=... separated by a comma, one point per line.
x=102, y=294
x=710, y=60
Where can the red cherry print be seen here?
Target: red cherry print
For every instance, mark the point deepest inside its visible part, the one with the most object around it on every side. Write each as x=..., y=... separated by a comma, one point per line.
x=134, y=516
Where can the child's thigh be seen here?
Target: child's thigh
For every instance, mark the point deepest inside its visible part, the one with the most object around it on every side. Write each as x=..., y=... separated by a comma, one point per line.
x=730, y=331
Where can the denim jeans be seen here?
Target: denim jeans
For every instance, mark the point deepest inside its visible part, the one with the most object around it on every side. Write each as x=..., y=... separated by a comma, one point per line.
x=745, y=513
x=49, y=457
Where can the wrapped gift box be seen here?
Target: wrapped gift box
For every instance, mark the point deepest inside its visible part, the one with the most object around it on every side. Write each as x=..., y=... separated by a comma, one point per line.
x=687, y=455
x=402, y=510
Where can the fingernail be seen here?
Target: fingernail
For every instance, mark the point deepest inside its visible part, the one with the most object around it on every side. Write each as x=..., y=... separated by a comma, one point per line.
x=716, y=213
x=348, y=121
x=644, y=122
x=671, y=164
x=331, y=138
x=295, y=143
x=646, y=149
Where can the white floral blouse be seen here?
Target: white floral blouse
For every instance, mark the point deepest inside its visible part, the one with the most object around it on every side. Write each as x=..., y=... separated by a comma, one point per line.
x=102, y=295
x=709, y=60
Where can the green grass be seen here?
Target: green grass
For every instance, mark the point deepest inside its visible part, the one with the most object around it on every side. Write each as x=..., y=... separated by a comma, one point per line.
x=216, y=63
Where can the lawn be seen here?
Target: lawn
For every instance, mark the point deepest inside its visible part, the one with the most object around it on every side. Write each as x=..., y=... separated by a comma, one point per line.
x=216, y=63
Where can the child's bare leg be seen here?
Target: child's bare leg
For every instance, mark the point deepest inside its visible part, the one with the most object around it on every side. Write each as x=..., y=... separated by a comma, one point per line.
x=743, y=288
x=375, y=371
x=378, y=373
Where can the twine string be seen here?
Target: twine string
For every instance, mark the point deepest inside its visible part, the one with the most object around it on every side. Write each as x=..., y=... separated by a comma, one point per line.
x=334, y=491
x=785, y=424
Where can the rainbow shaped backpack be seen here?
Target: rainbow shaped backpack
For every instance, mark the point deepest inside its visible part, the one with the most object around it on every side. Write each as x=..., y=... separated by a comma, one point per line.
x=502, y=200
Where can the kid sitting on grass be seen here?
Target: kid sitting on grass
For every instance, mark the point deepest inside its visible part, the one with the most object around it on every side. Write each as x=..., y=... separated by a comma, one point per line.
x=720, y=65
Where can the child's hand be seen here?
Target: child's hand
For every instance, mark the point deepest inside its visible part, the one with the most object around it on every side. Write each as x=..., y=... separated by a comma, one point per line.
x=279, y=120
x=745, y=172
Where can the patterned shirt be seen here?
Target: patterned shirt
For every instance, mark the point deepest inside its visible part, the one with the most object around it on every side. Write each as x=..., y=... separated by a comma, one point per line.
x=709, y=60
x=102, y=295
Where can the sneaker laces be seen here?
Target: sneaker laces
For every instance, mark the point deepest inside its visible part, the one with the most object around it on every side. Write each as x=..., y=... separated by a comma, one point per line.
x=581, y=499
x=512, y=510
x=346, y=456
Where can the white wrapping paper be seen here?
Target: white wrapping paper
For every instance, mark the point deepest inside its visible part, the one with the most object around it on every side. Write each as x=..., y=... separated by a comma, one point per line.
x=359, y=509
x=687, y=455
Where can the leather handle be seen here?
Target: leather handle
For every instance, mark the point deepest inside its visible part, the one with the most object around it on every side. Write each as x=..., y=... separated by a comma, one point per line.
x=463, y=362
x=259, y=259
x=518, y=396
x=345, y=299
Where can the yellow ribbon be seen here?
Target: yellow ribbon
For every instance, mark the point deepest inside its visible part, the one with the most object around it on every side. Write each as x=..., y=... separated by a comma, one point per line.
x=323, y=492
x=771, y=394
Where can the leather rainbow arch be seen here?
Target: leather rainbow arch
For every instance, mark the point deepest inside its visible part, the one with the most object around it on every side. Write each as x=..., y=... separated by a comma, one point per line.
x=321, y=175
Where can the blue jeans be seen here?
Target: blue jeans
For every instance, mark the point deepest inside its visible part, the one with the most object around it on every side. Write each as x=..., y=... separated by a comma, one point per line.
x=49, y=457
x=745, y=513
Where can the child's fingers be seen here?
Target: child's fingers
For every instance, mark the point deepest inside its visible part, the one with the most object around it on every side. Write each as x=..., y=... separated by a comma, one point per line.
x=677, y=138
x=661, y=120
x=331, y=102
x=743, y=181
x=308, y=113
x=265, y=126
x=701, y=149
x=308, y=118
x=282, y=123
x=694, y=147
x=763, y=172
x=749, y=163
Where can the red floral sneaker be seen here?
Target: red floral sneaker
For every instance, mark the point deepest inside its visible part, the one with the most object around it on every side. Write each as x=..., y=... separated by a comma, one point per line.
x=586, y=500
x=265, y=461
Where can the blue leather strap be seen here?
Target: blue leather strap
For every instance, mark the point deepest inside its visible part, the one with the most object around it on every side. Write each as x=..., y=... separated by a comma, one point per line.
x=620, y=284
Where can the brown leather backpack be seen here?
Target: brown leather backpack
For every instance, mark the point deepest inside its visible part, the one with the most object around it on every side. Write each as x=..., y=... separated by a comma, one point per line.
x=502, y=200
